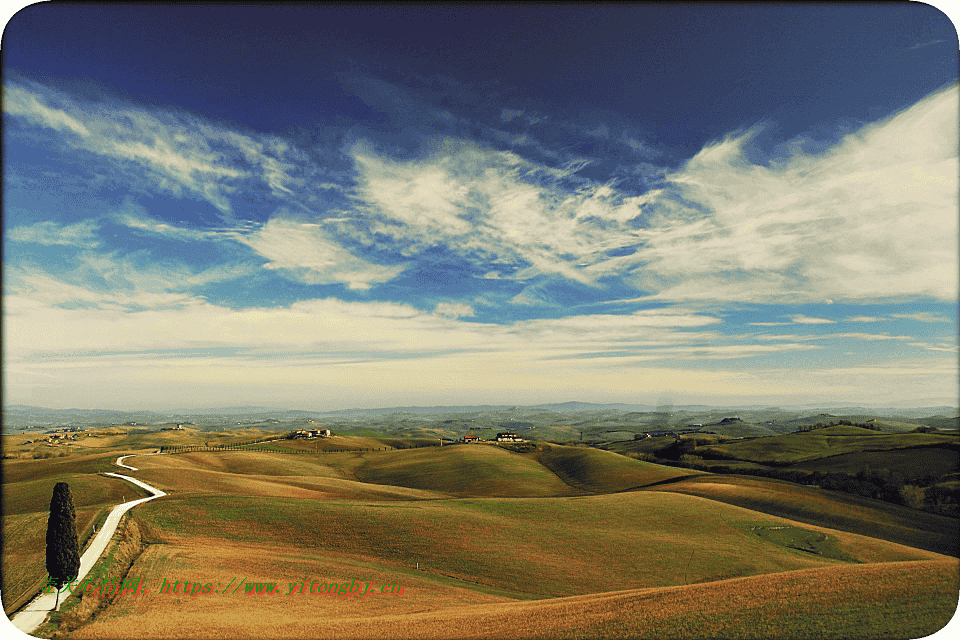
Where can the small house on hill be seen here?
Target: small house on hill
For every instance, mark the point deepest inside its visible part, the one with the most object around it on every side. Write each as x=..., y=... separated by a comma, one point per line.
x=312, y=433
x=471, y=438
x=508, y=436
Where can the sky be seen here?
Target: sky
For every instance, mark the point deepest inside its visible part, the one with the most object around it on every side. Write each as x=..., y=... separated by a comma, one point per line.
x=326, y=207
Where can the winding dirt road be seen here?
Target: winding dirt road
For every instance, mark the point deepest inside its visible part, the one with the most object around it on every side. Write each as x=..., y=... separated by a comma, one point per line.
x=33, y=615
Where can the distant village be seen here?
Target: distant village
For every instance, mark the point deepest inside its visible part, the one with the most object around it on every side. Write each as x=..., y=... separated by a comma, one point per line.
x=504, y=436
x=310, y=433
x=58, y=435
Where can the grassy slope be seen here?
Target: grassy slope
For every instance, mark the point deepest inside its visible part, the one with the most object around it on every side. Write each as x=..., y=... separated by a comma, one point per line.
x=827, y=508
x=602, y=471
x=894, y=600
x=463, y=470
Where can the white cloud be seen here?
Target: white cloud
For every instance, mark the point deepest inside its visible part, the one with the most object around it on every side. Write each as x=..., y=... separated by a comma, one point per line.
x=18, y=101
x=134, y=216
x=155, y=313
x=496, y=207
x=863, y=319
x=347, y=347
x=81, y=234
x=923, y=316
x=852, y=335
x=943, y=347
x=308, y=252
x=801, y=319
x=172, y=152
x=101, y=281
x=872, y=218
x=453, y=309
x=869, y=219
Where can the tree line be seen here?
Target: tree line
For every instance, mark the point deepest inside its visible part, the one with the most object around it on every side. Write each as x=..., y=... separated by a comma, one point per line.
x=239, y=447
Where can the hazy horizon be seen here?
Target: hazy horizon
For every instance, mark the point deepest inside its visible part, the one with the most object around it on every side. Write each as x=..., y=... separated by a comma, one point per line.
x=931, y=403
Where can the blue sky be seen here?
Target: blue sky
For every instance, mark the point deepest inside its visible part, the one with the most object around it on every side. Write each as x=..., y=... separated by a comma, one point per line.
x=332, y=207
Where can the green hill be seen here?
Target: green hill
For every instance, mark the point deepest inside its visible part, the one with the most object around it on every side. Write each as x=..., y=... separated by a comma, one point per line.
x=602, y=471
x=467, y=470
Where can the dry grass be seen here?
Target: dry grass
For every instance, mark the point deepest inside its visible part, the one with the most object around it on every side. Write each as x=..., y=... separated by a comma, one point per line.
x=242, y=463
x=211, y=560
x=177, y=482
x=893, y=600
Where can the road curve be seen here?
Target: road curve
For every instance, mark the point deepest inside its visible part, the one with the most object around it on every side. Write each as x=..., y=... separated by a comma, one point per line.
x=33, y=615
x=120, y=464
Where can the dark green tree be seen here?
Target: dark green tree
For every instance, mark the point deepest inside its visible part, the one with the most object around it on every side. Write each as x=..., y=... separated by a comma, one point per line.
x=63, y=547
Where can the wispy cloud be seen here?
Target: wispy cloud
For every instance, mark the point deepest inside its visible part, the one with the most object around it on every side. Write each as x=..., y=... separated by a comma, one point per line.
x=801, y=319
x=168, y=152
x=925, y=44
x=943, y=347
x=311, y=255
x=849, y=335
x=81, y=234
x=923, y=316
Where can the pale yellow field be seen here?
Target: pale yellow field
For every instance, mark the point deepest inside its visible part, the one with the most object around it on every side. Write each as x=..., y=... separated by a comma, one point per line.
x=857, y=601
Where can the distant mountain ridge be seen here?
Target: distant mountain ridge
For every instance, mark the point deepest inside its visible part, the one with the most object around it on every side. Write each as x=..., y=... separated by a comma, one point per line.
x=26, y=411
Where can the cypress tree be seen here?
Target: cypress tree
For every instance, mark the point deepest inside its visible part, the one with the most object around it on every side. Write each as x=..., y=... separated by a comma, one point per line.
x=63, y=547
